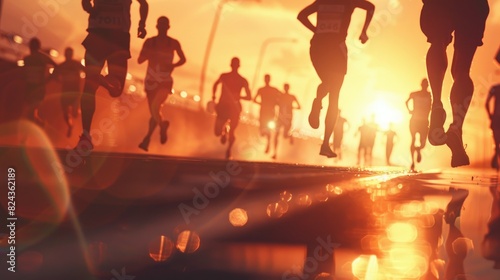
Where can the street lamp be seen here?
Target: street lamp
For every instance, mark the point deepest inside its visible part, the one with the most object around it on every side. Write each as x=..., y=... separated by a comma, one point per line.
x=263, y=49
x=208, y=49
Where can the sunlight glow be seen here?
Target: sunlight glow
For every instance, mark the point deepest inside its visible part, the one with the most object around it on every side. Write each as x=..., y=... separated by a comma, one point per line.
x=385, y=113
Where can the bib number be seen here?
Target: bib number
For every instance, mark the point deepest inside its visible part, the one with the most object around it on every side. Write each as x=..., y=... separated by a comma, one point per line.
x=107, y=20
x=328, y=26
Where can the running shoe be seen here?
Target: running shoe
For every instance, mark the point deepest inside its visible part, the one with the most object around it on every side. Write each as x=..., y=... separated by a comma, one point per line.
x=327, y=151
x=163, y=131
x=458, y=155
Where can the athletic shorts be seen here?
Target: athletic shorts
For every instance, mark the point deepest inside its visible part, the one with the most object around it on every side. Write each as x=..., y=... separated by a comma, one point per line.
x=467, y=18
x=102, y=43
x=329, y=57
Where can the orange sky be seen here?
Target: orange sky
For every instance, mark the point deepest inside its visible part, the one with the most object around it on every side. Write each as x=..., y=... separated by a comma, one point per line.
x=387, y=68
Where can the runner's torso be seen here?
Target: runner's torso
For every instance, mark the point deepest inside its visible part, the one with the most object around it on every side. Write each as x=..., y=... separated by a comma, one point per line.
x=421, y=104
x=110, y=15
x=232, y=84
x=35, y=68
x=286, y=105
x=160, y=59
x=269, y=98
x=333, y=19
x=70, y=74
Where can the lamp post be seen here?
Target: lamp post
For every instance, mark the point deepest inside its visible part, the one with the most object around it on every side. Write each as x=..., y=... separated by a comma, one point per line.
x=208, y=48
x=262, y=52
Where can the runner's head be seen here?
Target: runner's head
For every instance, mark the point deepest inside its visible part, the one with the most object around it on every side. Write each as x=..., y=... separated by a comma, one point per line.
x=267, y=79
x=163, y=24
x=235, y=63
x=286, y=87
x=424, y=84
x=68, y=53
x=35, y=44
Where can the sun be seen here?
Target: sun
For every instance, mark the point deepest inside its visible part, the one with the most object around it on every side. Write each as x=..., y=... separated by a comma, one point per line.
x=385, y=113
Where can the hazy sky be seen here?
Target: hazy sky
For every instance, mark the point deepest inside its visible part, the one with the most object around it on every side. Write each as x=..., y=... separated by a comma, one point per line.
x=387, y=68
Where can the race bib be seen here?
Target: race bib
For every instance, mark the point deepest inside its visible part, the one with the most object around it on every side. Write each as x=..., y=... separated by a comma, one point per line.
x=328, y=26
x=329, y=18
x=108, y=20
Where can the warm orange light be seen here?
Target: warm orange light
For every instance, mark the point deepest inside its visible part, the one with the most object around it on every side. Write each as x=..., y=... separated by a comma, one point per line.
x=238, y=217
x=365, y=267
x=385, y=113
x=161, y=249
x=402, y=232
x=188, y=241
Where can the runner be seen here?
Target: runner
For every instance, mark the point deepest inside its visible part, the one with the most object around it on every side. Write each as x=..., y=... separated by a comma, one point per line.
x=108, y=41
x=419, y=122
x=35, y=72
x=286, y=101
x=329, y=55
x=69, y=73
x=228, y=108
x=159, y=52
x=495, y=121
x=267, y=116
x=389, y=144
x=438, y=20
x=338, y=134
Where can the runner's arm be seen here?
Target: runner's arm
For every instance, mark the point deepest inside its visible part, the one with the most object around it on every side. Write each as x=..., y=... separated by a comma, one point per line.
x=297, y=102
x=407, y=104
x=370, y=9
x=214, y=88
x=488, y=100
x=180, y=53
x=255, y=98
x=248, y=95
x=303, y=16
x=144, y=54
x=143, y=10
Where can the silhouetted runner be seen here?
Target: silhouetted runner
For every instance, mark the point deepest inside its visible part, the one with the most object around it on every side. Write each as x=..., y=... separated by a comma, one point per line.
x=329, y=55
x=159, y=52
x=35, y=72
x=364, y=143
x=338, y=134
x=439, y=19
x=108, y=41
x=419, y=122
x=268, y=103
x=495, y=121
x=390, y=134
x=229, y=107
x=286, y=106
x=69, y=73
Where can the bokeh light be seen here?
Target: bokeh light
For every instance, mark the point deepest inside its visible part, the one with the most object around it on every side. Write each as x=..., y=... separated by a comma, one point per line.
x=161, y=249
x=188, y=241
x=238, y=217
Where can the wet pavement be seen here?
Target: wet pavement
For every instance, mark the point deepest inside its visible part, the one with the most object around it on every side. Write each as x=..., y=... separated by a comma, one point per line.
x=126, y=216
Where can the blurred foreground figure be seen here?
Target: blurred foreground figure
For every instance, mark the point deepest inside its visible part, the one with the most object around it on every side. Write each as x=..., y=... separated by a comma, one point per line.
x=438, y=20
x=108, y=41
x=228, y=108
x=159, y=52
x=286, y=106
x=329, y=55
x=267, y=115
x=69, y=73
x=491, y=243
x=419, y=122
x=495, y=121
x=35, y=72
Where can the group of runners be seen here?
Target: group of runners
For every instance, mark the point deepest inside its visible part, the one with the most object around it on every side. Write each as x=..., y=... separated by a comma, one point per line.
x=108, y=41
